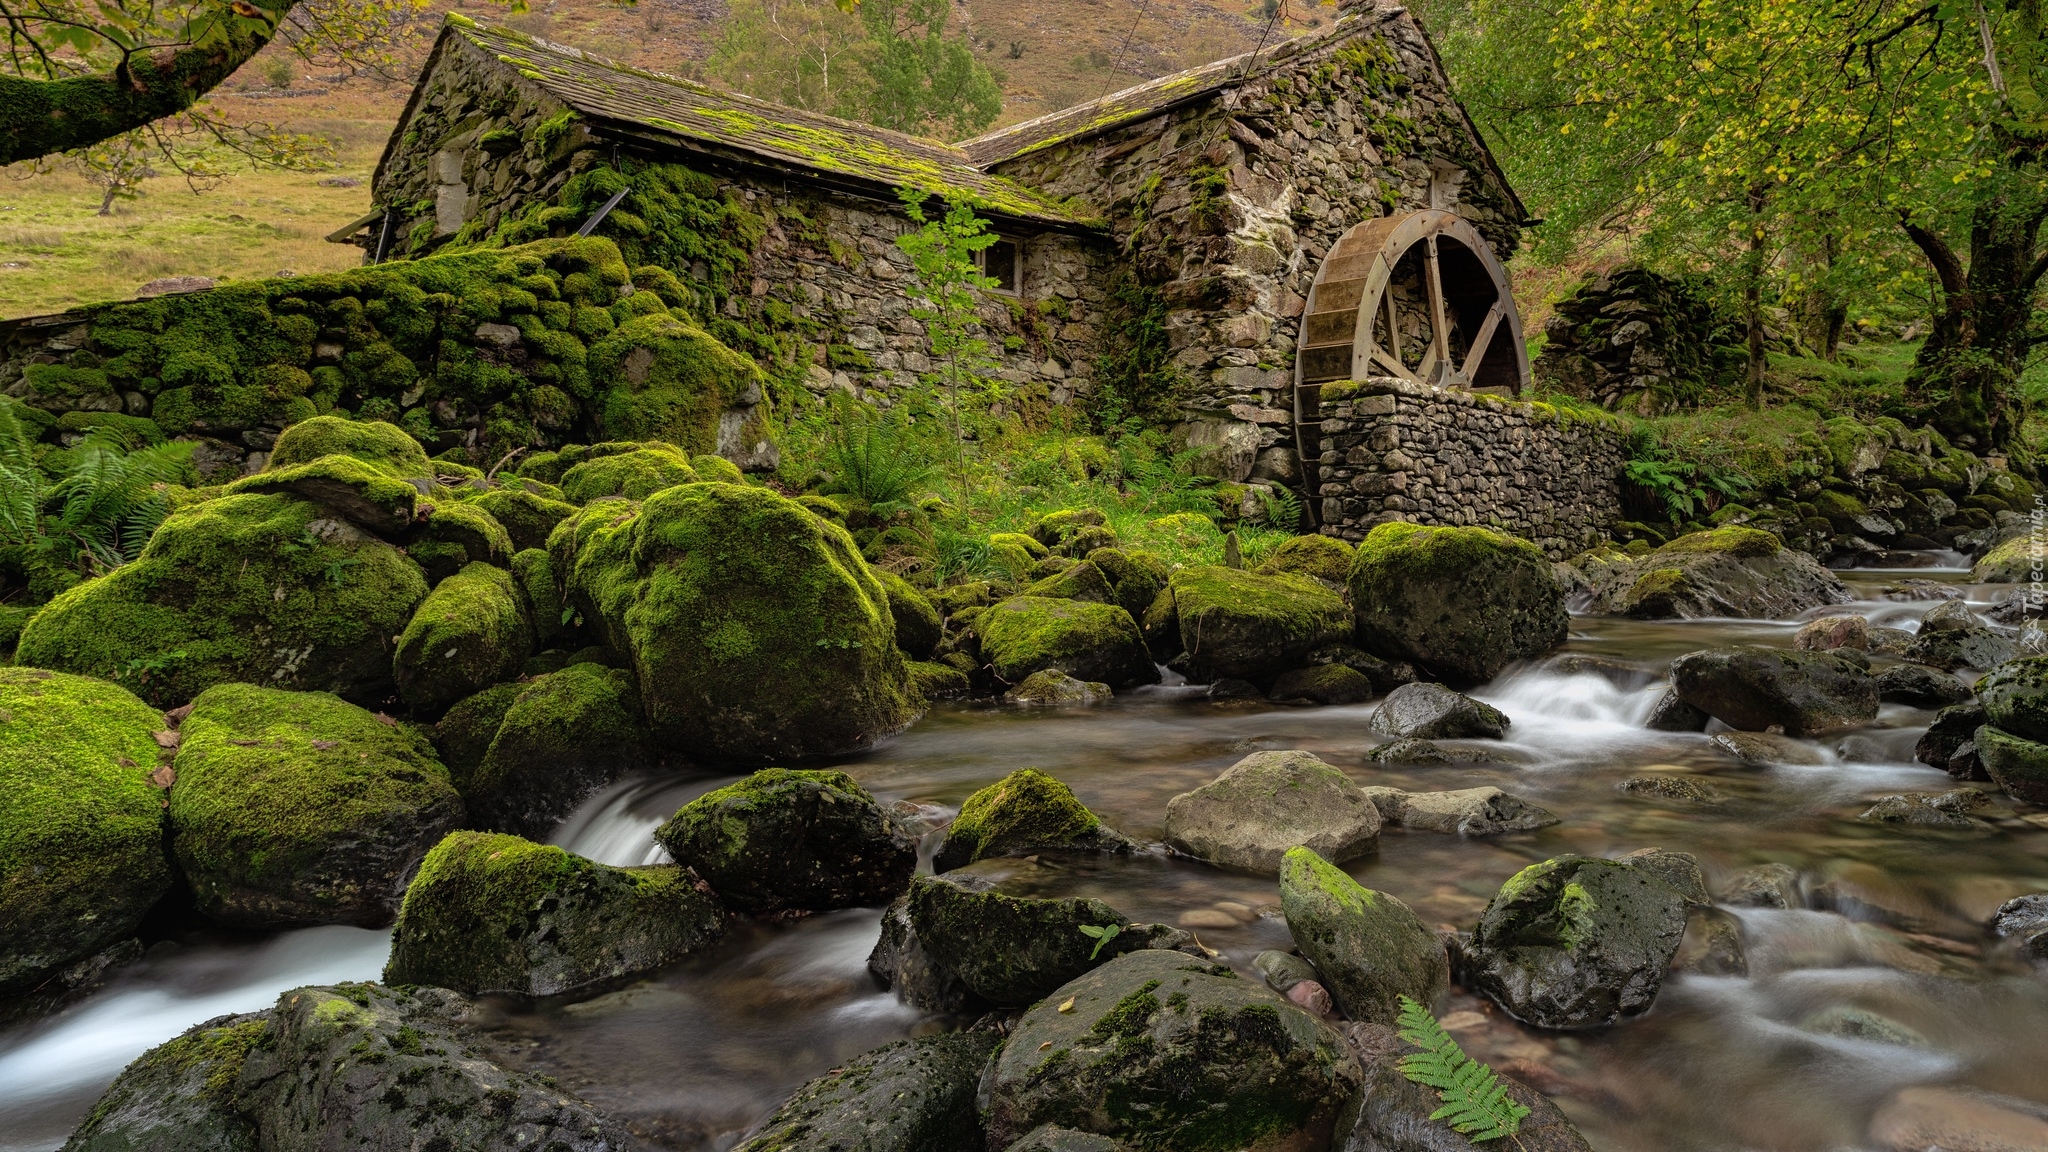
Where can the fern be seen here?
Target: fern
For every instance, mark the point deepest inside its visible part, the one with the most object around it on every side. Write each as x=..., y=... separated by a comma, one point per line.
x=1281, y=506
x=1476, y=1103
x=875, y=458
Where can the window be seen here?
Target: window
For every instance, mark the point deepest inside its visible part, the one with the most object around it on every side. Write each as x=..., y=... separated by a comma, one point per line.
x=1003, y=262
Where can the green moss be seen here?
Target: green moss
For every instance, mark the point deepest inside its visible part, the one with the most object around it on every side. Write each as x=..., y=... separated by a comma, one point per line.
x=1094, y=642
x=557, y=738
x=463, y=735
x=1324, y=557
x=360, y=491
x=672, y=381
x=278, y=790
x=1128, y=1019
x=1252, y=625
x=469, y=633
x=937, y=681
x=918, y=628
x=1025, y=810
x=467, y=524
x=527, y=517
x=1461, y=602
x=81, y=825
x=634, y=475
x=249, y=587
x=384, y=445
x=716, y=468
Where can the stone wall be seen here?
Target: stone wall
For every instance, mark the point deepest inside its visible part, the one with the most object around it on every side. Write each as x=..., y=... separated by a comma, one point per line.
x=1231, y=203
x=1399, y=451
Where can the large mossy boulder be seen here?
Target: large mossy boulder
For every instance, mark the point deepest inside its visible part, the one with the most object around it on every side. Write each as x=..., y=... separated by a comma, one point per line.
x=1752, y=687
x=1010, y=950
x=527, y=517
x=1024, y=813
x=634, y=474
x=1576, y=942
x=672, y=381
x=525, y=754
x=295, y=808
x=1325, y=558
x=1135, y=578
x=1088, y=641
x=909, y=1096
x=81, y=821
x=369, y=473
x=809, y=840
x=2015, y=763
x=180, y=1095
x=1248, y=626
x=1268, y=803
x=2016, y=561
x=918, y=626
x=1162, y=1050
x=267, y=589
x=755, y=629
x=1733, y=571
x=496, y=914
x=1368, y=946
x=2015, y=697
x=471, y=632
x=1463, y=603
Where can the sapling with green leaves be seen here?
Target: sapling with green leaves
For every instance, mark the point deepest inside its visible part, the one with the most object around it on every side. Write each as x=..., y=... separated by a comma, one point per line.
x=945, y=277
x=1101, y=935
x=1476, y=1103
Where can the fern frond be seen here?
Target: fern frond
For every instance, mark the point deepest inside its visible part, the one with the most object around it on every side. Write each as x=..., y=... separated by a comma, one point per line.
x=1475, y=1101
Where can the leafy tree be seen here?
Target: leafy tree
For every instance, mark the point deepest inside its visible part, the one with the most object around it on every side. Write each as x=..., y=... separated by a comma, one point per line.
x=804, y=53
x=945, y=277
x=920, y=76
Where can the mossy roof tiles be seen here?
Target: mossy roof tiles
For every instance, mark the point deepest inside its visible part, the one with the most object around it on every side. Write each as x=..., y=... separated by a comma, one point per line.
x=706, y=118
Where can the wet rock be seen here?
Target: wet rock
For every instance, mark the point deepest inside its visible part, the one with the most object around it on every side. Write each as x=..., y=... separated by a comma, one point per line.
x=1950, y=616
x=1952, y=648
x=1920, y=687
x=1253, y=627
x=1484, y=811
x=1205, y=1049
x=1830, y=632
x=900, y=961
x=933, y=681
x=1463, y=603
x=1712, y=945
x=1434, y=712
x=1860, y=750
x=809, y=839
x=1857, y=1024
x=1950, y=743
x=1326, y=684
x=1410, y=751
x=1395, y=1112
x=909, y=1096
x=1576, y=942
x=1090, y=642
x=1024, y=813
x=1764, y=886
x=1672, y=786
x=1368, y=946
x=1890, y=641
x=1012, y=950
x=1270, y=802
x=1052, y=688
x=2013, y=561
x=1751, y=688
x=496, y=914
x=297, y=808
x=1765, y=748
x=1228, y=689
x=918, y=626
x=2015, y=697
x=525, y=754
x=2016, y=765
x=1929, y=809
x=1047, y=1138
x=1956, y=1119
x=1282, y=970
x=2024, y=920
x=179, y=1095
x=81, y=821
x=1731, y=571
x=1678, y=871
x=1674, y=715
x=1384, y=675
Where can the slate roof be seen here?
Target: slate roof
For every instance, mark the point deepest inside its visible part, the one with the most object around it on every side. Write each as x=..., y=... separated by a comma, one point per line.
x=703, y=119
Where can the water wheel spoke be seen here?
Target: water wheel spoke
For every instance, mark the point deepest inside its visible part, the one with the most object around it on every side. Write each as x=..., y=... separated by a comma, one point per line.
x=1477, y=352
x=1392, y=365
x=1439, y=330
x=1393, y=325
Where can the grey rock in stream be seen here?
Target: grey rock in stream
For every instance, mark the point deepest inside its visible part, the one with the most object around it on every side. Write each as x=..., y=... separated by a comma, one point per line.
x=1952, y=648
x=809, y=839
x=1434, y=712
x=1752, y=688
x=1920, y=687
x=1765, y=748
x=2024, y=920
x=1950, y=743
x=1732, y=571
x=909, y=1096
x=1486, y=811
x=1764, y=886
x=1408, y=750
x=178, y=1096
x=1394, y=1113
x=1952, y=809
x=1047, y=1138
x=2015, y=698
x=1369, y=947
x=1674, y=715
x=1024, y=813
x=1270, y=802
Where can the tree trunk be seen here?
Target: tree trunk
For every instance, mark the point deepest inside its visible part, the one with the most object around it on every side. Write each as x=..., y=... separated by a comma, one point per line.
x=1827, y=313
x=1753, y=296
x=1966, y=375
x=42, y=117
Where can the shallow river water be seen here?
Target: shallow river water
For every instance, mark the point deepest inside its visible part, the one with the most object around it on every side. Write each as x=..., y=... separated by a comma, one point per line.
x=1893, y=924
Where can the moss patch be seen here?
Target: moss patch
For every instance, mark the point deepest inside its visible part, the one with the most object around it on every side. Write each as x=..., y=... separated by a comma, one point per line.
x=470, y=633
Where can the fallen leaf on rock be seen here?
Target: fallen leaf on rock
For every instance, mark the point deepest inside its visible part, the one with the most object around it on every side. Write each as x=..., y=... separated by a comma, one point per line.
x=176, y=716
x=1067, y=1005
x=164, y=776
x=324, y=745
x=387, y=720
x=166, y=738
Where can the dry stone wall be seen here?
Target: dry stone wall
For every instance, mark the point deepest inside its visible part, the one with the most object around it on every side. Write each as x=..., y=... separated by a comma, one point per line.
x=1393, y=450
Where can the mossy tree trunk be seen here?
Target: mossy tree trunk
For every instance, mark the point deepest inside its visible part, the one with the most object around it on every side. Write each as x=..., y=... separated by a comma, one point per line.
x=42, y=117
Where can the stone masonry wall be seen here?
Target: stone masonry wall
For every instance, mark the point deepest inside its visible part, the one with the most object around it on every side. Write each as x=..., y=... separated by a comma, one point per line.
x=1231, y=203
x=1399, y=451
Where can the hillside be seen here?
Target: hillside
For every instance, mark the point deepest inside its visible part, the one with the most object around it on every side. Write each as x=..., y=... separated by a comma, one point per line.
x=56, y=252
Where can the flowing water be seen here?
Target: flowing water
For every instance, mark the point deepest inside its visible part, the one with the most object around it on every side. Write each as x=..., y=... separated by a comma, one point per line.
x=1892, y=928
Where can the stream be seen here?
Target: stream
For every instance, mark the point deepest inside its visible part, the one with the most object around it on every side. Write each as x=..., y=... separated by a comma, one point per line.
x=1893, y=925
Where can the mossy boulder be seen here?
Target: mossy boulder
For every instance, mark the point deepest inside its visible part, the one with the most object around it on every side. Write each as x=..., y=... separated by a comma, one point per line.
x=2013, y=562
x=1325, y=558
x=1434, y=712
x=362, y=494
x=918, y=627
x=180, y=1095
x=1135, y=577
x=1731, y=571
x=2015, y=697
x=1083, y=581
x=632, y=475
x=1015, y=553
x=755, y=629
x=1053, y=688
x=1368, y=946
x=1025, y=812
x=295, y=808
x=1162, y=1050
x=81, y=821
x=812, y=840
x=1752, y=687
x=1460, y=602
x=525, y=754
x=1027, y=634
x=527, y=517
x=496, y=914
x=1323, y=684
x=929, y=681
x=1242, y=625
x=1270, y=802
x=2014, y=763
x=472, y=631
x=1056, y=529
x=265, y=589
x=670, y=380
x=1576, y=942
x=908, y=1096
x=384, y=446
x=1011, y=950
x=465, y=525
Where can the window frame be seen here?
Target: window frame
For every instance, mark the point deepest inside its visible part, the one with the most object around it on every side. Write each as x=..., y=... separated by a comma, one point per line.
x=1016, y=244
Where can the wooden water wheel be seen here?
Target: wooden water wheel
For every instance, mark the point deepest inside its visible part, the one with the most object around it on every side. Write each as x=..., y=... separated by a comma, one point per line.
x=1417, y=296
